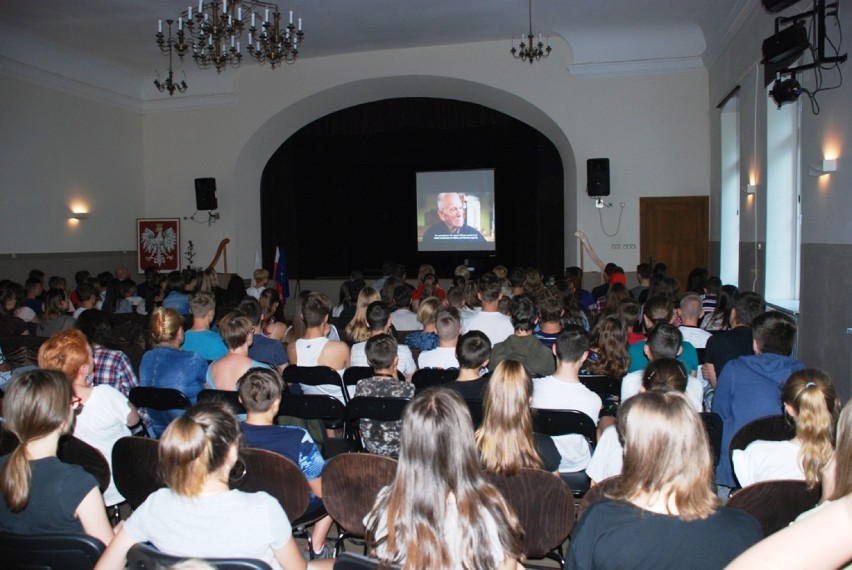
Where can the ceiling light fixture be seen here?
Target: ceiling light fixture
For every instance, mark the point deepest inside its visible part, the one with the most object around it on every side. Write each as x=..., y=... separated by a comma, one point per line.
x=214, y=33
x=166, y=47
x=530, y=50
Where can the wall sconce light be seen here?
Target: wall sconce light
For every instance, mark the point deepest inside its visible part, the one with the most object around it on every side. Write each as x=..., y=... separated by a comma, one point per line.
x=750, y=189
x=823, y=167
x=79, y=215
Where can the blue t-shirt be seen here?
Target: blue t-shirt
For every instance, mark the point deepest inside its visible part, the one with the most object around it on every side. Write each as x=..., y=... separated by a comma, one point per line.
x=638, y=360
x=268, y=350
x=208, y=344
x=177, y=300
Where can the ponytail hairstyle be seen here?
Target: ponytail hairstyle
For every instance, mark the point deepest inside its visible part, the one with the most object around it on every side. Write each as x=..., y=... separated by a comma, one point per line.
x=165, y=325
x=36, y=404
x=811, y=395
x=843, y=455
x=197, y=445
x=657, y=310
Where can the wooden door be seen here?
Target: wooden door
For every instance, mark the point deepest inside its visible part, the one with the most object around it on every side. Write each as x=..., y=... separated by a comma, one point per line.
x=675, y=231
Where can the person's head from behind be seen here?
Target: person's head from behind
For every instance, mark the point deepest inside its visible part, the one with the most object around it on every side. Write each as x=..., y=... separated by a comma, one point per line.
x=200, y=444
x=810, y=399
x=524, y=313
x=381, y=351
x=473, y=350
x=36, y=404
x=489, y=288
x=551, y=305
x=505, y=439
x=316, y=309
x=664, y=341
x=427, y=312
x=424, y=270
x=55, y=304
x=658, y=309
x=629, y=310
x=643, y=272
x=87, y=295
x=666, y=454
x=68, y=352
x=201, y=304
x=747, y=307
x=517, y=276
x=665, y=374
x=690, y=309
x=378, y=316
x=401, y=297
x=34, y=287
x=96, y=326
x=774, y=333
x=166, y=325
x=250, y=307
x=260, y=389
x=448, y=324
x=269, y=301
x=236, y=330
x=261, y=278
x=572, y=346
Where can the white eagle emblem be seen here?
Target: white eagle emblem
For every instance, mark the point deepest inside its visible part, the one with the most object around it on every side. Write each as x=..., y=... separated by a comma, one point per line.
x=159, y=246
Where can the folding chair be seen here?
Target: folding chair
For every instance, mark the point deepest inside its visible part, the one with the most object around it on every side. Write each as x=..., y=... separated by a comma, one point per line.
x=775, y=504
x=163, y=404
x=50, y=551
x=768, y=428
x=142, y=556
x=232, y=399
x=428, y=377
x=371, y=408
x=567, y=422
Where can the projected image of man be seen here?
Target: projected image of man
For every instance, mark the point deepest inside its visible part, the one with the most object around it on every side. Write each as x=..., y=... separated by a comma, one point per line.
x=452, y=225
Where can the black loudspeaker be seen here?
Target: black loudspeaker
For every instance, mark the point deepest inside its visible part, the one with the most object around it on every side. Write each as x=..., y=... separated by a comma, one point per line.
x=597, y=177
x=205, y=194
x=777, y=5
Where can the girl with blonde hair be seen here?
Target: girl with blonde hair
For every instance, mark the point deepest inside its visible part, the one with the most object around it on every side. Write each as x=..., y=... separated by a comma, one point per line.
x=664, y=513
x=43, y=495
x=358, y=330
x=197, y=514
x=505, y=439
x=439, y=512
x=810, y=401
x=427, y=315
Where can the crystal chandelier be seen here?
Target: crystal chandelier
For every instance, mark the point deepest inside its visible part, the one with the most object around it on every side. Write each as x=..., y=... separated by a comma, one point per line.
x=530, y=50
x=214, y=34
x=166, y=47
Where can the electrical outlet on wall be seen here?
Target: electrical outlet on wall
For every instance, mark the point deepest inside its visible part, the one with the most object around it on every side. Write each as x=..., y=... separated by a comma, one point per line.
x=616, y=246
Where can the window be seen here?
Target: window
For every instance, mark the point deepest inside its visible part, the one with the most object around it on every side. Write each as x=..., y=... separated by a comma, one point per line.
x=783, y=219
x=730, y=191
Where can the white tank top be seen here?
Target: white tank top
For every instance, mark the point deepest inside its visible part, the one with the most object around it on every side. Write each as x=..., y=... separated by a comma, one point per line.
x=307, y=354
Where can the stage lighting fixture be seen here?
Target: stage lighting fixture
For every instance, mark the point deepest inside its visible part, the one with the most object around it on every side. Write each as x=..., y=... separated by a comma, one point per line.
x=786, y=45
x=785, y=91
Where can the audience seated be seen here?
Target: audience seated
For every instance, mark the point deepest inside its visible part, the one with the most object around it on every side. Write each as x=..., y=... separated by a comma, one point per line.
x=447, y=327
x=55, y=317
x=809, y=399
x=661, y=374
x=177, y=298
x=426, y=338
x=106, y=415
x=563, y=391
x=350, y=291
x=357, y=329
x=473, y=352
x=378, y=436
x=643, y=277
x=314, y=348
x=261, y=282
x=505, y=439
x=551, y=309
x=718, y=317
x=87, y=297
x=630, y=311
x=428, y=286
x=690, y=312
x=379, y=321
x=664, y=513
x=607, y=348
x=489, y=320
x=167, y=366
x=10, y=324
x=403, y=317
x=238, y=333
x=729, y=345
x=260, y=393
x=750, y=386
x=664, y=341
x=523, y=346
x=441, y=513
x=197, y=515
x=660, y=309
x=199, y=338
x=32, y=300
x=270, y=326
x=262, y=348
x=41, y=494
x=112, y=367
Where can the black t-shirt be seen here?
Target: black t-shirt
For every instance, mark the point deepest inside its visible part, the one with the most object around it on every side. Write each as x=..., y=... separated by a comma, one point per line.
x=469, y=389
x=619, y=535
x=729, y=345
x=56, y=490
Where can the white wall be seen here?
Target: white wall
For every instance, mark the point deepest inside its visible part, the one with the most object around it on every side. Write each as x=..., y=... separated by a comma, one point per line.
x=59, y=150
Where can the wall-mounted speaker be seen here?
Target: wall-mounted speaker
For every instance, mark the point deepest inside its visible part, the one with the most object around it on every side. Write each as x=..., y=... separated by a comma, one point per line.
x=205, y=194
x=777, y=5
x=597, y=177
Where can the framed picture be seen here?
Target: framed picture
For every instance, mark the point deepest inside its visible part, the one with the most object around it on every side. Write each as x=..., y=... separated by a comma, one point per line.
x=158, y=244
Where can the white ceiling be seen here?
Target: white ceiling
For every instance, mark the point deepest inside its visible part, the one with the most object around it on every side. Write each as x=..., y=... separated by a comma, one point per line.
x=121, y=32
